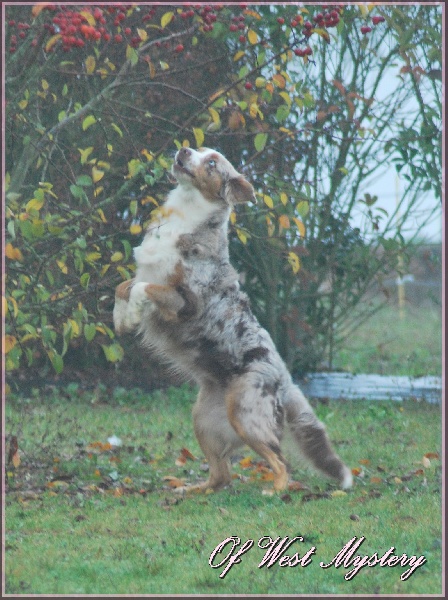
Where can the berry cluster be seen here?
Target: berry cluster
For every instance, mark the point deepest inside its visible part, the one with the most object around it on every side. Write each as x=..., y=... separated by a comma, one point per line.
x=375, y=20
x=22, y=31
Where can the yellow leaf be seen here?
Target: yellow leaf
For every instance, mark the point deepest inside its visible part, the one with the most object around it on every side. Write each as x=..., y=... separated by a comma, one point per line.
x=135, y=229
x=61, y=264
x=252, y=36
x=199, y=136
x=254, y=111
x=283, y=198
x=149, y=200
x=279, y=80
x=300, y=226
x=284, y=221
x=16, y=460
x=268, y=201
x=338, y=493
x=45, y=84
x=166, y=19
x=238, y=55
x=286, y=97
x=88, y=17
x=147, y=154
x=15, y=306
x=241, y=235
x=104, y=270
x=13, y=253
x=9, y=341
x=90, y=65
x=116, y=257
x=323, y=33
x=214, y=115
x=97, y=174
x=34, y=204
x=98, y=191
x=88, y=121
x=294, y=261
x=260, y=82
x=23, y=104
x=38, y=8
x=101, y=213
x=75, y=327
x=93, y=256
x=52, y=41
x=252, y=13
x=233, y=217
x=85, y=153
x=142, y=34
x=269, y=88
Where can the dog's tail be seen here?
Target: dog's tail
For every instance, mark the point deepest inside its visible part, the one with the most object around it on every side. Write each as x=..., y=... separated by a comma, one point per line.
x=312, y=438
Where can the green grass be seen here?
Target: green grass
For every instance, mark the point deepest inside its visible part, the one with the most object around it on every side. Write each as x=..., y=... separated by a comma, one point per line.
x=80, y=522
x=389, y=345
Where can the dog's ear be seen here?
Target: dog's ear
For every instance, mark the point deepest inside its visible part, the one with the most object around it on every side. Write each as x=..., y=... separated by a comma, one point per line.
x=238, y=189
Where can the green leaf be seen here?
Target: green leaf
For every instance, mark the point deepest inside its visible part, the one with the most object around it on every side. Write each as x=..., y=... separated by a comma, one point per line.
x=84, y=181
x=303, y=208
x=84, y=280
x=132, y=55
x=56, y=361
x=89, y=331
x=88, y=121
x=260, y=141
x=113, y=353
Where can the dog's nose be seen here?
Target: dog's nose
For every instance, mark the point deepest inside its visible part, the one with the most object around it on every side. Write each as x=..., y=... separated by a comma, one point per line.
x=184, y=153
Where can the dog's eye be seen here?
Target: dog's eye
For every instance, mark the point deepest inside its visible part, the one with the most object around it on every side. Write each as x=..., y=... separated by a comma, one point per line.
x=212, y=163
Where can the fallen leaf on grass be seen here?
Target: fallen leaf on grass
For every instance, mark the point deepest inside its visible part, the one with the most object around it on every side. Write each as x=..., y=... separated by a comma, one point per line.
x=432, y=455
x=296, y=486
x=364, y=461
x=185, y=455
x=375, y=480
x=338, y=494
x=174, y=482
x=246, y=463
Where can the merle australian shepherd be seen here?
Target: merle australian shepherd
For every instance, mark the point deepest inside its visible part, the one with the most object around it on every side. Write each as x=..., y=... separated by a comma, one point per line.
x=186, y=303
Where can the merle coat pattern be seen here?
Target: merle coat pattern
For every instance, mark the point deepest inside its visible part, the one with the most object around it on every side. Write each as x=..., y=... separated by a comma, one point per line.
x=186, y=303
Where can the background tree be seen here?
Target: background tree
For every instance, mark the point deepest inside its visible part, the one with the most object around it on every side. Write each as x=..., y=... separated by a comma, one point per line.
x=98, y=98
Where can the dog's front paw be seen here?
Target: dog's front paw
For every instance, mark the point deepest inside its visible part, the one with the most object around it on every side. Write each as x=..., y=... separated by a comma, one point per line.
x=130, y=298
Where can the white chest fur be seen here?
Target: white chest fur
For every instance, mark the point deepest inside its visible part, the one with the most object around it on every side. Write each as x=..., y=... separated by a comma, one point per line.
x=182, y=213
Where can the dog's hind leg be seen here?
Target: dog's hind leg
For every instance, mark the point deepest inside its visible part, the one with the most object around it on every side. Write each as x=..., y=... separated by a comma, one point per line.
x=257, y=417
x=312, y=438
x=215, y=435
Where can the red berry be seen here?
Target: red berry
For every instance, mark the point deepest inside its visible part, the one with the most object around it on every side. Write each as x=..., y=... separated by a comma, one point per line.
x=233, y=27
x=376, y=20
x=12, y=23
x=179, y=48
x=118, y=38
x=128, y=31
x=308, y=25
x=242, y=38
x=308, y=51
x=365, y=29
x=106, y=36
x=299, y=52
x=248, y=85
x=280, y=20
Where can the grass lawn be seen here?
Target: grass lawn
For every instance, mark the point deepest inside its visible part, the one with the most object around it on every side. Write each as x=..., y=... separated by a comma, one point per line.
x=389, y=345
x=86, y=518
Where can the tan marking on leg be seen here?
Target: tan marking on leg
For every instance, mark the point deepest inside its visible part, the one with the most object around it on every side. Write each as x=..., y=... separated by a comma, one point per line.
x=123, y=290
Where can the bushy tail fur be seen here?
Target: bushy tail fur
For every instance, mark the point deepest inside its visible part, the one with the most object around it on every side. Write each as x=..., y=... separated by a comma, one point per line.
x=312, y=438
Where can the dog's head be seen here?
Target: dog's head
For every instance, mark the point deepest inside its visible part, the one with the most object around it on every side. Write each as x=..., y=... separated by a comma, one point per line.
x=211, y=173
